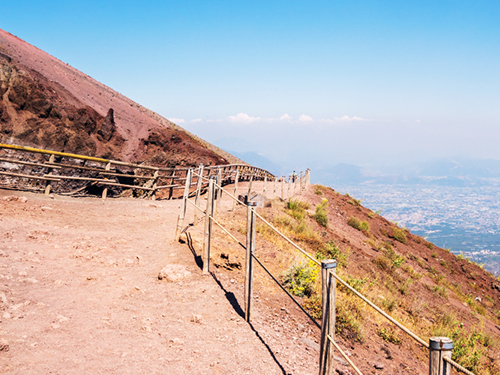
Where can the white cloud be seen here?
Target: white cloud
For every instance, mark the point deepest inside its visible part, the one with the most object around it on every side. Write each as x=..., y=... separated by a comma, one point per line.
x=243, y=118
x=196, y=120
x=346, y=118
x=285, y=117
x=305, y=118
x=177, y=120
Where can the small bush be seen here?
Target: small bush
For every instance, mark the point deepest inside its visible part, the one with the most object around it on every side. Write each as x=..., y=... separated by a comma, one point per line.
x=390, y=335
x=399, y=235
x=362, y=226
x=297, y=209
x=355, y=202
x=300, y=278
x=347, y=320
x=430, y=245
x=321, y=215
x=334, y=252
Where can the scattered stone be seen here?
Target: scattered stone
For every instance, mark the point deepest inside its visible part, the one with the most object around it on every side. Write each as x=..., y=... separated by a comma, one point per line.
x=309, y=343
x=387, y=352
x=173, y=273
x=4, y=345
x=4, y=299
x=340, y=360
x=46, y=208
x=378, y=366
x=196, y=318
x=343, y=372
x=62, y=319
x=176, y=340
x=6, y=315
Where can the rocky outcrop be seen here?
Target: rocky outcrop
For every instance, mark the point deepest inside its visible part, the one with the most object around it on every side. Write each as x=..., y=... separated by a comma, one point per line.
x=32, y=113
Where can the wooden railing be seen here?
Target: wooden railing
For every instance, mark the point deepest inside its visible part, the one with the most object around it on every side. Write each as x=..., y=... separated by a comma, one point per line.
x=440, y=348
x=65, y=173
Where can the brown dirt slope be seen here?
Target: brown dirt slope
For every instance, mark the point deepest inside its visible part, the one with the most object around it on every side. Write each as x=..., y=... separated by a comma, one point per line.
x=46, y=103
x=427, y=288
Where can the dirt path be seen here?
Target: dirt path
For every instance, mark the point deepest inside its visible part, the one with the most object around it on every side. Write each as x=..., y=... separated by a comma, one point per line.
x=79, y=294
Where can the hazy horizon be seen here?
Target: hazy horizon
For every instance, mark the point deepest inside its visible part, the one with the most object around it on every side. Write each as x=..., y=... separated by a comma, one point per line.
x=300, y=83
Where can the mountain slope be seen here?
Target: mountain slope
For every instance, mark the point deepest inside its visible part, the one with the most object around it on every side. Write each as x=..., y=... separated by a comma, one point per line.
x=48, y=104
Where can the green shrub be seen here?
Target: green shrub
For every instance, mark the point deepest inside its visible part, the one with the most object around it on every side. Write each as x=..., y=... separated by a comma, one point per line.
x=334, y=252
x=399, y=235
x=321, y=215
x=362, y=226
x=300, y=278
x=390, y=335
x=355, y=202
x=296, y=208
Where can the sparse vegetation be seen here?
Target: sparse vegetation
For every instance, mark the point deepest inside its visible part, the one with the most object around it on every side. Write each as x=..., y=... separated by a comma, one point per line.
x=389, y=334
x=355, y=202
x=300, y=278
x=356, y=223
x=321, y=215
x=430, y=245
x=399, y=235
x=470, y=346
x=332, y=251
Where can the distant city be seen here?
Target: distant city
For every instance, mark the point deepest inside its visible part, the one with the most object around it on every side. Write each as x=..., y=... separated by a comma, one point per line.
x=463, y=219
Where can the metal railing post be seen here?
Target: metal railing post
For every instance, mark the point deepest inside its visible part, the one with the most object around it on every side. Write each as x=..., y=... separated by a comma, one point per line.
x=329, y=284
x=249, y=261
x=207, y=236
x=438, y=348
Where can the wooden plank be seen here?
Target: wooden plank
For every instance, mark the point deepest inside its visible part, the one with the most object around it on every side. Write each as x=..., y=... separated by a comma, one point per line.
x=29, y=176
x=328, y=283
x=249, y=261
x=61, y=177
x=42, y=165
x=438, y=348
x=127, y=175
x=207, y=234
x=110, y=183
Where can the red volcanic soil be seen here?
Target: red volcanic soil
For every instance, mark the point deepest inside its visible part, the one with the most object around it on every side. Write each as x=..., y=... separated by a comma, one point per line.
x=47, y=103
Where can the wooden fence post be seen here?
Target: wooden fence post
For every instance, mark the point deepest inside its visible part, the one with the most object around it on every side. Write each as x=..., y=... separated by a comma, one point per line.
x=438, y=348
x=274, y=191
x=308, y=177
x=289, y=186
x=155, y=184
x=301, y=182
x=207, y=236
x=283, y=188
x=48, y=186
x=218, y=192
x=105, y=190
x=171, y=190
x=265, y=185
x=199, y=181
x=250, y=187
x=249, y=261
x=236, y=178
x=329, y=284
x=180, y=220
x=294, y=181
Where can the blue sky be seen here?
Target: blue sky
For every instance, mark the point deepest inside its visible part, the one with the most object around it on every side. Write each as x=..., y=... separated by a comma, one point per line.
x=302, y=83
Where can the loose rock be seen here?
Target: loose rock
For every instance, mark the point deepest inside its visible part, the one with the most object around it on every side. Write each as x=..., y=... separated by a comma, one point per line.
x=173, y=273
